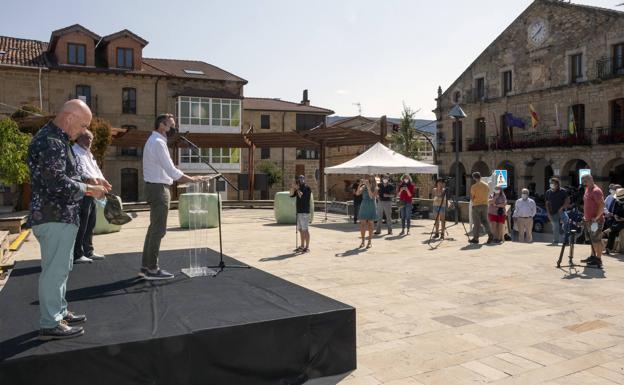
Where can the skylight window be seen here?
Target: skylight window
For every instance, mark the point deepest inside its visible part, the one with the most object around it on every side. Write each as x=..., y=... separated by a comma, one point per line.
x=194, y=72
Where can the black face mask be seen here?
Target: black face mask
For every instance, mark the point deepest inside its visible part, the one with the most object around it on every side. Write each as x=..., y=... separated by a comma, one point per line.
x=172, y=131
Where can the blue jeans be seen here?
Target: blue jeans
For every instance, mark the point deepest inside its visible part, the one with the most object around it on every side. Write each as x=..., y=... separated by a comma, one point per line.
x=556, y=225
x=406, y=215
x=56, y=241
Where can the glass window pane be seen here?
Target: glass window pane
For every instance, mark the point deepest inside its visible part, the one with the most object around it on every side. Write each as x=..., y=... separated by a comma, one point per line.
x=225, y=111
x=71, y=53
x=119, y=57
x=216, y=122
x=194, y=110
x=185, y=109
x=216, y=109
x=184, y=120
x=235, y=155
x=195, y=121
x=128, y=58
x=81, y=54
x=205, y=110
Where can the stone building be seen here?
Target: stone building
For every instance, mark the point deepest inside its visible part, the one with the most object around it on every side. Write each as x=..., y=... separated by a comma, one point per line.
x=120, y=85
x=268, y=115
x=566, y=62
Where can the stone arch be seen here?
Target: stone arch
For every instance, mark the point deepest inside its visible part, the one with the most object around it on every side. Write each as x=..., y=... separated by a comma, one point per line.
x=613, y=171
x=482, y=168
x=570, y=172
x=462, y=179
x=508, y=165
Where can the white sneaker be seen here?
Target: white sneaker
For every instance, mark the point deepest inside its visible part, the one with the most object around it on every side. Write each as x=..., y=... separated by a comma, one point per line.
x=83, y=259
x=97, y=257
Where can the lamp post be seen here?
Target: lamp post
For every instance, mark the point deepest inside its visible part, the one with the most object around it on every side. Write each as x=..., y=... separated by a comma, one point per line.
x=458, y=114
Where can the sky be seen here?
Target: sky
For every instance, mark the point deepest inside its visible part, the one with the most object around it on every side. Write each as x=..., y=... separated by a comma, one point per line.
x=379, y=53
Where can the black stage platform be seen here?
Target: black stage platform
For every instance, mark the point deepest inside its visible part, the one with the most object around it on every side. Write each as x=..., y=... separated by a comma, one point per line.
x=244, y=326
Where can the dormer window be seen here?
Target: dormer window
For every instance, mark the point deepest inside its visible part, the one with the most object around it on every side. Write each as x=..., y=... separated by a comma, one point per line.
x=125, y=58
x=76, y=54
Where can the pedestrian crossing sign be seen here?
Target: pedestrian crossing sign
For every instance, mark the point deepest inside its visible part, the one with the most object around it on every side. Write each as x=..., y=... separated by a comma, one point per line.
x=582, y=172
x=501, y=178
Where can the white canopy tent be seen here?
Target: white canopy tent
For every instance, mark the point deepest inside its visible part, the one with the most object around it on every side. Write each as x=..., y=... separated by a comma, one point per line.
x=379, y=159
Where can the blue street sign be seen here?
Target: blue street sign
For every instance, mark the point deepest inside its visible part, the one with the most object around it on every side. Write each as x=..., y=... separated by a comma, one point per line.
x=501, y=178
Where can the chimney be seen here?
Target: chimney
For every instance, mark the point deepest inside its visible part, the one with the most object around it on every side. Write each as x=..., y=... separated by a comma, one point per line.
x=305, y=101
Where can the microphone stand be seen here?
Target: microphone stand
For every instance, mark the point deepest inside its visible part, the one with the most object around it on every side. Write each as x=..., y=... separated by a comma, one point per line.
x=222, y=265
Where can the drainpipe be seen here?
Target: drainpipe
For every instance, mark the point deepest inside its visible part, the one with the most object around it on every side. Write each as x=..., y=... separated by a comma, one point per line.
x=283, y=166
x=40, y=92
x=156, y=97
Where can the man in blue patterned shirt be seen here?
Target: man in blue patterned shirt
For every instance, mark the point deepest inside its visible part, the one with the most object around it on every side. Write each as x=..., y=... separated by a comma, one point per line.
x=57, y=189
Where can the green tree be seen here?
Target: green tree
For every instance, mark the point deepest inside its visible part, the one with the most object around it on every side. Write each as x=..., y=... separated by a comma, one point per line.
x=407, y=141
x=274, y=174
x=102, y=138
x=13, y=153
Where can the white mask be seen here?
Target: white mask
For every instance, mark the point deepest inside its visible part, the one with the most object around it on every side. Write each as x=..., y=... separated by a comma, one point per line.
x=525, y=196
x=385, y=180
x=405, y=180
x=552, y=186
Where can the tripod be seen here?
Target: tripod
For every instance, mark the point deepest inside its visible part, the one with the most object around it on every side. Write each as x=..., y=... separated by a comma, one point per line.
x=570, y=237
x=222, y=265
x=445, y=198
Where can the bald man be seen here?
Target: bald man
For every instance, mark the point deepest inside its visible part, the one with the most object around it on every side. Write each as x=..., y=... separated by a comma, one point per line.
x=57, y=190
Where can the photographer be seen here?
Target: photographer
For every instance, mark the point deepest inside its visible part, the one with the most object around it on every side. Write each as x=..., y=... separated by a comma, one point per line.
x=618, y=219
x=610, y=204
x=405, y=193
x=593, y=215
x=368, y=212
x=440, y=204
x=386, y=193
x=302, y=193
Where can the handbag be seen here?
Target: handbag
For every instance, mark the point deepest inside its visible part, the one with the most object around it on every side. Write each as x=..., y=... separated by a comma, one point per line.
x=501, y=211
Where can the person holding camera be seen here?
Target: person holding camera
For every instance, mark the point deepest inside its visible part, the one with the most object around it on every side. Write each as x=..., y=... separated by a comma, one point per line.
x=440, y=203
x=618, y=219
x=368, y=211
x=357, y=200
x=523, y=214
x=610, y=204
x=557, y=200
x=593, y=216
x=384, y=207
x=405, y=193
x=497, y=214
x=302, y=193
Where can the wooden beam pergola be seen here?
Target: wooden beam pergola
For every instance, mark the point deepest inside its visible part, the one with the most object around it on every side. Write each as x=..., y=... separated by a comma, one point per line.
x=319, y=138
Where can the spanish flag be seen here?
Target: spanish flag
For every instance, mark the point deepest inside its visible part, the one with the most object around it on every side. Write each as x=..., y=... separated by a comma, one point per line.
x=571, y=121
x=534, y=117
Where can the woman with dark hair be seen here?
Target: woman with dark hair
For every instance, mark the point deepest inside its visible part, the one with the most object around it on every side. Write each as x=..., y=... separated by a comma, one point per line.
x=368, y=210
x=497, y=214
x=405, y=192
x=440, y=204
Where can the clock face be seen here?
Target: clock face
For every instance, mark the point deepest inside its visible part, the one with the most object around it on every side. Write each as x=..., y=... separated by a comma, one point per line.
x=537, y=32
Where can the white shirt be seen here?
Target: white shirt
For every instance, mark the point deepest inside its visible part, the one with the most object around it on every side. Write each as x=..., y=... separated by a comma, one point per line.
x=87, y=163
x=157, y=164
x=525, y=208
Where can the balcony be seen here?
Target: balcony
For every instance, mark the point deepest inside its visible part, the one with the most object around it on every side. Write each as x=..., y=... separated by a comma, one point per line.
x=476, y=96
x=610, y=67
x=610, y=135
x=558, y=138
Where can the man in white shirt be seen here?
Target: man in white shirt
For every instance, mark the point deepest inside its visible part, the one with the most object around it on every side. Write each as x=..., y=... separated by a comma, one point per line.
x=83, y=247
x=523, y=214
x=159, y=172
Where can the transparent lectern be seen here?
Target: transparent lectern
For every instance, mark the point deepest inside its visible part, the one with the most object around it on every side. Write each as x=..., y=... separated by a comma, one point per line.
x=197, y=196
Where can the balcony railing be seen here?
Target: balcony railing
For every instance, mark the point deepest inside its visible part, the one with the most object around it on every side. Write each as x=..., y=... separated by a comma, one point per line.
x=609, y=67
x=474, y=96
x=558, y=138
x=611, y=135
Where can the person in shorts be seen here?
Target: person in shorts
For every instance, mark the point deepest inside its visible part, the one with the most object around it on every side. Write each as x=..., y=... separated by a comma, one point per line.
x=440, y=204
x=302, y=193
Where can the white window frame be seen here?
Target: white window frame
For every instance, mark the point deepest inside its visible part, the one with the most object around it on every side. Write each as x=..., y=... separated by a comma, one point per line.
x=205, y=123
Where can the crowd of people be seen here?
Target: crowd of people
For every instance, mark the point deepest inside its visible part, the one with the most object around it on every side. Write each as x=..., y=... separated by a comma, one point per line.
x=66, y=181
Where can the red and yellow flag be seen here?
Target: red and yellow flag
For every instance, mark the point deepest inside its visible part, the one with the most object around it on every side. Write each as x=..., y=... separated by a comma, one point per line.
x=534, y=117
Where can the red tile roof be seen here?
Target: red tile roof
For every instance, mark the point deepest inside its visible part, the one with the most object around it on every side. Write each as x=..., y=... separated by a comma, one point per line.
x=176, y=68
x=33, y=53
x=268, y=104
x=23, y=52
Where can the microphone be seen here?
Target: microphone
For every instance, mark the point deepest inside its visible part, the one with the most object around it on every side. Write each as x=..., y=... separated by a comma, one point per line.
x=172, y=131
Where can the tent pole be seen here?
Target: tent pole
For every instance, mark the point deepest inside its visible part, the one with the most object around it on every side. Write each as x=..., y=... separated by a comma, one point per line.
x=325, y=180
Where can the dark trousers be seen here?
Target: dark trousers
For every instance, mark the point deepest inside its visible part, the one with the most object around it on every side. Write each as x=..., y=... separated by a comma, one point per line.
x=158, y=197
x=615, y=231
x=356, y=210
x=84, y=237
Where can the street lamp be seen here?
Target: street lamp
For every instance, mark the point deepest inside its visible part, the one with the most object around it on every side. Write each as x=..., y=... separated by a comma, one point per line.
x=458, y=114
